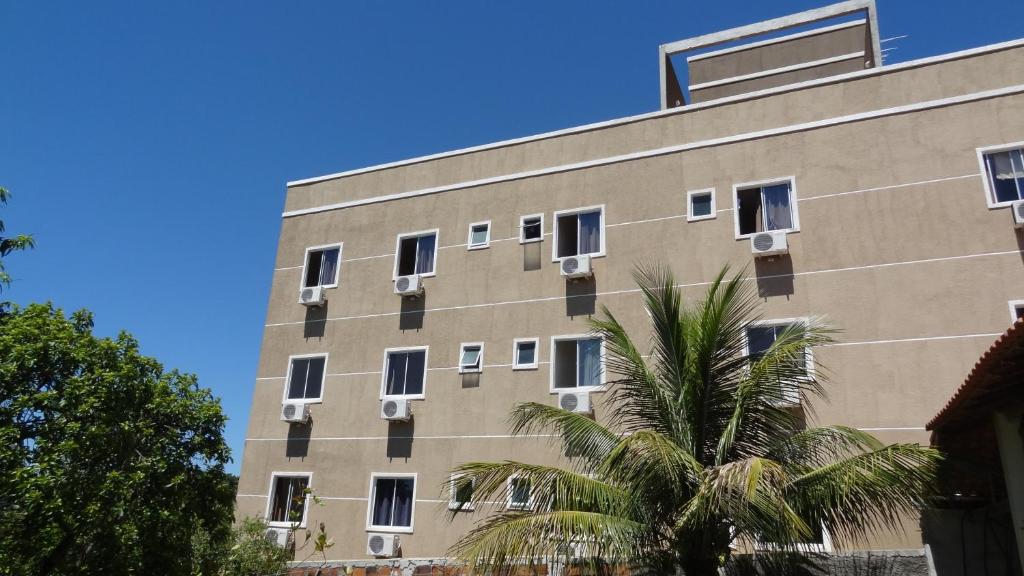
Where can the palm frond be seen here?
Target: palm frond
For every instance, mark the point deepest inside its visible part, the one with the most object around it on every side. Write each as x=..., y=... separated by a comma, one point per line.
x=659, y=472
x=814, y=447
x=580, y=436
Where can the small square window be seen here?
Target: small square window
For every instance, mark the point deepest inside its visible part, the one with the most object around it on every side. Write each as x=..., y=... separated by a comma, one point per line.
x=288, y=500
x=520, y=493
x=1004, y=172
x=417, y=254
x=763, y=208
x=471, y=358
x=479, y=235
x=460, y=491
x=392, y=499
x=524, y=354
x=405, y=372
x=306, y=378
x=321, y=267
x=700, y=205
x=577, y=363
x=1016, y=310
x=579, y=232
x=531, y=228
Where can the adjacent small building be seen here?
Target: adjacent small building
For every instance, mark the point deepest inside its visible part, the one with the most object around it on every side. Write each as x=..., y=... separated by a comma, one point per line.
x=414, y=303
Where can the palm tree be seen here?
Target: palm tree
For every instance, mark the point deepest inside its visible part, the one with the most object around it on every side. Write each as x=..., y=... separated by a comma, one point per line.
x=696, y=449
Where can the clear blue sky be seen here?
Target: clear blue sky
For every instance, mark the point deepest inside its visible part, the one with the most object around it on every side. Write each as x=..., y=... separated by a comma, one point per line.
x=148, y=144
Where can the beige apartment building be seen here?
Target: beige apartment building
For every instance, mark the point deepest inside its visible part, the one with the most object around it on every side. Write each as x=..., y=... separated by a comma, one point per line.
x=880, y=196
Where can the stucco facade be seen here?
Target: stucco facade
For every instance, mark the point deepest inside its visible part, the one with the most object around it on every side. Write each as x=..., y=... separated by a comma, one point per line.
x=896, y=245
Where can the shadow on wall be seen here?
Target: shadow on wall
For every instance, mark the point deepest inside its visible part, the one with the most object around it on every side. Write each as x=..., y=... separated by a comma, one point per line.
x=532, y=256
x=298, y=440
x=413, y=310
x=316, y=321
x=774, y=276
x=581, y=297
x=1020, y=243
x=400, y=438
x=471, y=380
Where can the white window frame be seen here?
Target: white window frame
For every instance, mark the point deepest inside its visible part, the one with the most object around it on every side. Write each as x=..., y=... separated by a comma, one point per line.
x=469, y=236
x=689, y=205
x=337, y=269
x=515, y=354
x=990, y=200
x=781, y=322
x=1014, y=306
x=374, y=476
x=398, y=250
x=270, y=499
x=575, y=211
x=522, y=227
x=480, y=361
x=384, y=373
x=452, y=503
x=554, y=360
x=793, y=203
x=509, y=504
x=288, y=379
x=824, y=548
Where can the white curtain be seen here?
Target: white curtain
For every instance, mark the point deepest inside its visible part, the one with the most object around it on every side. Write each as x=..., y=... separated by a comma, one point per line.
x=589, y=363
x=777, y=212
x=425, y=254
x=590, y=233
x=403, y=503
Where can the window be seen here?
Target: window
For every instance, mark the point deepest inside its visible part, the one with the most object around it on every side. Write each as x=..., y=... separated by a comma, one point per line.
x=531, y=228
x=760, y=338
x=700, y=205
x=471, y=358
x=417, y=254
x=1016, y=310
x=520, y=493
x=405, y=372
x=460, y=491
x=391, y=502
x=579, y=232
x=524, y=354
x=321, y=267
x=577, y=362
x=306, y=377
x=479, y=235
x=287, y=504
x=819, y=542
x=1004, y=174
x=763, y=207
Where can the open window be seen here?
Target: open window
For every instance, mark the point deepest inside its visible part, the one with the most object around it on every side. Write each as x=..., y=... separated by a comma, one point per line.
x=392, y=502
x=1003, y=169
x=405, y=373
x=471, y=358
x=460, y=492
x=524, y=353
x=321, y=266
x=305, y=378
x=416, y=254
x=520, y=493
x=700, y=205
x=577, y=363
x=288, y=500
x=1016, y=310
x=765, y=206
x=531, y=228
x=479, y=235
x=579, y=232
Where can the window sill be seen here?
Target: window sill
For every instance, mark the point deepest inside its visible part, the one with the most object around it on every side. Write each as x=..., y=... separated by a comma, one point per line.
x=786, y=230
x=456, y=508
x=403, y=397
x=335, y=285
x=531, y=241
x=475, y=371
x=591, y=254
x=288, y=525
x=390, y=529
x=424, y=275
x=480, y=247
x=711, y=216
x=304, y=400
x=1000, y=205
x=577, y=389
x=525, y=367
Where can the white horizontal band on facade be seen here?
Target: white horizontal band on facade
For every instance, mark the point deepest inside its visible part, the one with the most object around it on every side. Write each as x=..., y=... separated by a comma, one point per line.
x=637, y=290
x=684, y=215
x=662, y=151
x=779, y=40
x=671, y=111
x=776, y=71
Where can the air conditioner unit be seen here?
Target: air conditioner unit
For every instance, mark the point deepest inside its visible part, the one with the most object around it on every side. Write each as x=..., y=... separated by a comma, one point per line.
x=576, y=266
x=312, y=296
x=295, y=412
x=279, y=536
x=383, y=545
x=1018, y=213
x=395, y=409
x=575, y=402
x=769, y=244
x=409, y=285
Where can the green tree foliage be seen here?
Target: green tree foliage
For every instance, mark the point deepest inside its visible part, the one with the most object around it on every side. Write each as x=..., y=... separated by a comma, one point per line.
x=108, y=464
x=248, y=553
x=10, y=244
x=694, y=450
